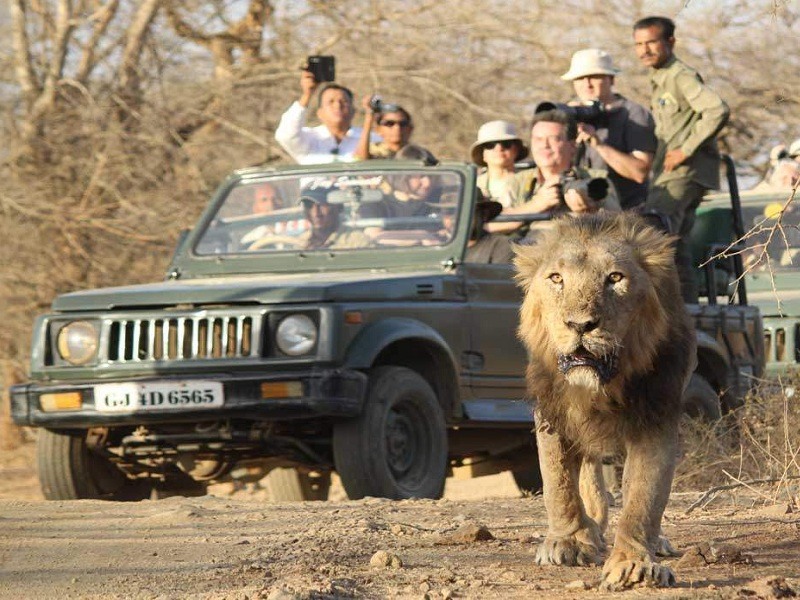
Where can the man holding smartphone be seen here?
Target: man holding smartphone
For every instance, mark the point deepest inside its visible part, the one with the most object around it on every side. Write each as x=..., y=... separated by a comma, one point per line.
x=332, y=141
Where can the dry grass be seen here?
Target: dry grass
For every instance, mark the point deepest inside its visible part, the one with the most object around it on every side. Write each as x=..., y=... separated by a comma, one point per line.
x=754, y=449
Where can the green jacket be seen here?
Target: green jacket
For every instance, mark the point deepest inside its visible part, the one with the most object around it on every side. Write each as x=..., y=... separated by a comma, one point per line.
x=688, y=115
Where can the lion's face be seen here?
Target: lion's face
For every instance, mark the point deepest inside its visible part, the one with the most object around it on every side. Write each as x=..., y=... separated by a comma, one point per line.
x=592, y=310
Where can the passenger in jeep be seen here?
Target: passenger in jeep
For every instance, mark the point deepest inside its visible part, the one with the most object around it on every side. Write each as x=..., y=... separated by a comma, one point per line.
x=409, y=197
x=485, y=247
x=265, y=200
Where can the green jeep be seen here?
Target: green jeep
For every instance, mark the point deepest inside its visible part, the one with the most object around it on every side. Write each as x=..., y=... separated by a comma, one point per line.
x=771, y=259
x=342, y=330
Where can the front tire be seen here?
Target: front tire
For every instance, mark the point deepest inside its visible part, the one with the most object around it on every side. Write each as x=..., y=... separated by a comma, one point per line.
x=69, y=470
x=397, y=447
x=700, y=400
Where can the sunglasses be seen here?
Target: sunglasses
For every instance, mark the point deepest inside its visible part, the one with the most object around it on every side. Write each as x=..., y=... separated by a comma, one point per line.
x=504, y=144
x=392, y=123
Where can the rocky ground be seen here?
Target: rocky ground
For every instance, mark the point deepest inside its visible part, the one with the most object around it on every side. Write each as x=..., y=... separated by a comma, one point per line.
x=477, y=542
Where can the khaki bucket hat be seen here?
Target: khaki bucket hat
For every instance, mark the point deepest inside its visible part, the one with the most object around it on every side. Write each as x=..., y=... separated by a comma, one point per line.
x=496, y=131
x=591, y=61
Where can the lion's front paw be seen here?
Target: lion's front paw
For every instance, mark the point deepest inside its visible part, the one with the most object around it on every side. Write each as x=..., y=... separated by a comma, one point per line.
x=567, y=551
x=621, y=572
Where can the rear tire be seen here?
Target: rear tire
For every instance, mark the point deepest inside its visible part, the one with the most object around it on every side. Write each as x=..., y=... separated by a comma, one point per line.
x=69, y=470
x=529, y=479
x=290, y=485
x=397, y=447
x=700, y=400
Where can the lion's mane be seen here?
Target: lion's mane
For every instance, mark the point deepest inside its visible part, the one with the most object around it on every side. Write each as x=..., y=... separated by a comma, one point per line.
x=653, y=339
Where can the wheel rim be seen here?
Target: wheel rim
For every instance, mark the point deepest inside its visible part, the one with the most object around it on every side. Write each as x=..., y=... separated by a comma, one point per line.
x=407, y=444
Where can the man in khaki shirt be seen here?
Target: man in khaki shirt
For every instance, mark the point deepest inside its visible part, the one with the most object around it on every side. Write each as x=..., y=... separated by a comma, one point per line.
x=688, y=116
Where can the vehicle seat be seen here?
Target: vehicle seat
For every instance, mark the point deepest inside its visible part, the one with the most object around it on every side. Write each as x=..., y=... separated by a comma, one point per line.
x=712, y=232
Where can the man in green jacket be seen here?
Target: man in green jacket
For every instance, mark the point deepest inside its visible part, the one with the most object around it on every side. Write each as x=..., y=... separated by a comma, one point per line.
x=688, y=116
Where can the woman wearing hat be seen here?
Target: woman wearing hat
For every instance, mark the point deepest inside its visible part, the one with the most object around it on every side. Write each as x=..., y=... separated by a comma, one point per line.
x=497, y=148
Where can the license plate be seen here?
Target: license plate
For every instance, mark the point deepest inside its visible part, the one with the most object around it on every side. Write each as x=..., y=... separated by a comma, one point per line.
x=157, y=396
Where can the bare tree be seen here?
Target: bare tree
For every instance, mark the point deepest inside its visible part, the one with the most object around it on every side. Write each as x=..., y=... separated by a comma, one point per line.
x=128, y=112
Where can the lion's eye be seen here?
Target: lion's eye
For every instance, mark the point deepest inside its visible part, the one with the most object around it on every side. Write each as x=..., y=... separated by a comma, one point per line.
x=616, y=277
x=556, y=278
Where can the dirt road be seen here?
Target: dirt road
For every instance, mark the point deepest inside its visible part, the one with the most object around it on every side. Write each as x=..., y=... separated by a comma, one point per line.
x=240, y=546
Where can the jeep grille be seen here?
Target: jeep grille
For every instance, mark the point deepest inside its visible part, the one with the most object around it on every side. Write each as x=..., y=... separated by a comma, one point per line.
x=183, y=338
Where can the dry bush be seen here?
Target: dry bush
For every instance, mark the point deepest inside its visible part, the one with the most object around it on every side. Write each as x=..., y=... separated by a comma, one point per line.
x=754, y=449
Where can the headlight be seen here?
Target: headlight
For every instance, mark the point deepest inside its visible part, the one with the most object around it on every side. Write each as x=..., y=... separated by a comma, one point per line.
x=77, y=342
x=296, y=335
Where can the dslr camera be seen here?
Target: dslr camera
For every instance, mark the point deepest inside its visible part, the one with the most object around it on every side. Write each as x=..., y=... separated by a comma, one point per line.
x=596, y=188
x=592, y=113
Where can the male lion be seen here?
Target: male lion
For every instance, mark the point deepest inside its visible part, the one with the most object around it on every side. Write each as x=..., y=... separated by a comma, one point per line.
x=611, y=348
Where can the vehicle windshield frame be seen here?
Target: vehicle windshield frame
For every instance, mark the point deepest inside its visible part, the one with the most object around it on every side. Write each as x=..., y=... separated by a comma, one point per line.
x=189, y=262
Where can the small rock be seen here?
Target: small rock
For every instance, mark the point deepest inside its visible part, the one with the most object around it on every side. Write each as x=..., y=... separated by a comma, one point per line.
x=775, y=510
x=769, y=587
x=385, y=559
x=691, y=558
x=729, y=555
x=466, y=534
x=424, y=587
x=578, y=584
x=396, y=529
x=446, y=593
x=281, y=594
x=710, y=554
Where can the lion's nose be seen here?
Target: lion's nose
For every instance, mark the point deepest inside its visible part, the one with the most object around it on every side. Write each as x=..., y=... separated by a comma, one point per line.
x=583, y=326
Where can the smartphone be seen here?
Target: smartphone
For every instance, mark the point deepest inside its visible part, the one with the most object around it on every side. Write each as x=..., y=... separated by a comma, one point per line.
x=323, y=67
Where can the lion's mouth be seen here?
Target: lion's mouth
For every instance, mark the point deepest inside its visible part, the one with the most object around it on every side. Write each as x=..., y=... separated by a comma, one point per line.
x=605, y=366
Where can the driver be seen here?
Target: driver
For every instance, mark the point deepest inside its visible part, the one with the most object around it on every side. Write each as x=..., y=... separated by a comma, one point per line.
x=326, y=230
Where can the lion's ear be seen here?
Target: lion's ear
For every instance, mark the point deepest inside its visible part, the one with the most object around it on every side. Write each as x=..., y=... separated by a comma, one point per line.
x=656, y=251
x=526, y=260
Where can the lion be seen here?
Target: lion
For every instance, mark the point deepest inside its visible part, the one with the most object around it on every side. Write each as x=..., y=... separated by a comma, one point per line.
x=611, y=348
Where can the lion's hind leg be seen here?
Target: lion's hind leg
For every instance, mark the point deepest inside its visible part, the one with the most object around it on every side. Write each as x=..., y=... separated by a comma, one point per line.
x=593, y=494
x=572, y=537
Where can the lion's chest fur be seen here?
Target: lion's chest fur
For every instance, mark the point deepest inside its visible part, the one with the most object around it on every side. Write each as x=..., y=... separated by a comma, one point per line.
x=592, y=421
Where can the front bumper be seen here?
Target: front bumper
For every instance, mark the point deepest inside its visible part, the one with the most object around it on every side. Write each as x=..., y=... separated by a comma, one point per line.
x=325, y=393
x=781, y=343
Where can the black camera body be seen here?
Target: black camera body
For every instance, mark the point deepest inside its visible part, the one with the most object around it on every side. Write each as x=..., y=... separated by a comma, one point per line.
x=376, y=104
x=592, y=113
x=322, y=67
x=595, y=188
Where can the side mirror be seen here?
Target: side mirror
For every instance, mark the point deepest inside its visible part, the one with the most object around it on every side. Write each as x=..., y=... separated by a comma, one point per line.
x=172, y=272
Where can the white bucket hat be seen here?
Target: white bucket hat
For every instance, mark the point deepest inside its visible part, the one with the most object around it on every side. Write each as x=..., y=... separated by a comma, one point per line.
x=590, y=62
x=496, y=131
x=794, y=149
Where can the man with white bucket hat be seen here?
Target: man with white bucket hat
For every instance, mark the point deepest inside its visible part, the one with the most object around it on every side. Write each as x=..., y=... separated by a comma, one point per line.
x=623, y=142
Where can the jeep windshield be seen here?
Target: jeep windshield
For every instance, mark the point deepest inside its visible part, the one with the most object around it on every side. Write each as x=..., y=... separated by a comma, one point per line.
x=338, y=211
x=781, y=242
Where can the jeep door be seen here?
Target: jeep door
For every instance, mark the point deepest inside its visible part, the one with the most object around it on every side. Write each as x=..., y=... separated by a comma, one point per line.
x=497, y=359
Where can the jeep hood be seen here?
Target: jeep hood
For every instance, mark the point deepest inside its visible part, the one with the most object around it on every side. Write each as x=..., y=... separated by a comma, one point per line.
x=267, y=289
x=775, y=294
